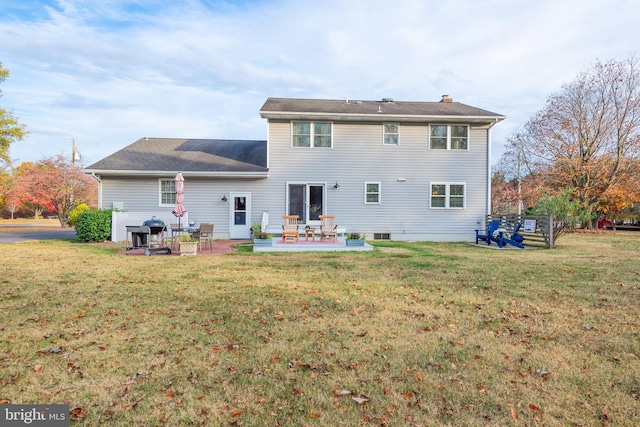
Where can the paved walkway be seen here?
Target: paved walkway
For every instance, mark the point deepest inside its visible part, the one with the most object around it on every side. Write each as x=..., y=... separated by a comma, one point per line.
x=13, y=237
x=219, y=247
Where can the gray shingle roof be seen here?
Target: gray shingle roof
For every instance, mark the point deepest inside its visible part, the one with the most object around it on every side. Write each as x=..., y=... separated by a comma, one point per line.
x=331, y=109
x=206, y=156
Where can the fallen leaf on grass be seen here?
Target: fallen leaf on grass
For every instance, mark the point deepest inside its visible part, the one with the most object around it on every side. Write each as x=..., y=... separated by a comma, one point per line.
x=360, y=400
x=534, y=407
x=77, y=413
x=71, y=368
x=514, y=414
x=342, y=392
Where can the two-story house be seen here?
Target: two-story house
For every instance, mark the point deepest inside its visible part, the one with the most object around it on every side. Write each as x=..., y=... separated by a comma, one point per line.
x=389, y=169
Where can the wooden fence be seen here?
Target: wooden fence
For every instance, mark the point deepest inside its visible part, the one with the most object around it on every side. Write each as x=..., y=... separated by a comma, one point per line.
x=536, y=229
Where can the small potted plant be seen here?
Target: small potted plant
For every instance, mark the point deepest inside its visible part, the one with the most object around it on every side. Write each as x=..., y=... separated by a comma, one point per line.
x=260, y=238
x=188, y=244
x=355, y=239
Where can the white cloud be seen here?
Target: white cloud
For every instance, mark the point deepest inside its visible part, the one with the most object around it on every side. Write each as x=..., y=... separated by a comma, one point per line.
x=108, y=72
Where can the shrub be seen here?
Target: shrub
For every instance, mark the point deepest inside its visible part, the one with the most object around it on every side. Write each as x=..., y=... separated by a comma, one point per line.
x=356, y=236
x=566, y=211
x=94, y=225
x=75, y=212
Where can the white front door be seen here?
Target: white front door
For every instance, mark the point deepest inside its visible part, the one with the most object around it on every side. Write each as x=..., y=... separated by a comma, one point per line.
x=239, y=215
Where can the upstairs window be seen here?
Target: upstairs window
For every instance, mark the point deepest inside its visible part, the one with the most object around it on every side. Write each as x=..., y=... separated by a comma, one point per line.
x=310, y=134
x=449, y=137
x=447, y=195
x=167, y=192
x=372, y=192
x=390, y=134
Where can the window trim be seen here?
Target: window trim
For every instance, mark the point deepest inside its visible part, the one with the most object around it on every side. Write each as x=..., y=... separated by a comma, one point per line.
x=448, y=126
x=378, y=193
x=385, y=133
x=160, y=192
x=312, y=133
x=447, y=196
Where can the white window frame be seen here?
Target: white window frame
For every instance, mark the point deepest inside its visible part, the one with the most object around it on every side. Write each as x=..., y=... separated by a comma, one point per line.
x=160, y=192
x=447, y=196
x=312, y=134
x=449, y=137
x=378, y=193
x=385, y=134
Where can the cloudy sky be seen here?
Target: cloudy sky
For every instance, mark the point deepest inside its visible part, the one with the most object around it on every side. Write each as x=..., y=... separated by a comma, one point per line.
x=107, y=72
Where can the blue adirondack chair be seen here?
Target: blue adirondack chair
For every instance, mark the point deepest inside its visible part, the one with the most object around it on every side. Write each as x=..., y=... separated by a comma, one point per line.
x=491, y=228
x=514, y=238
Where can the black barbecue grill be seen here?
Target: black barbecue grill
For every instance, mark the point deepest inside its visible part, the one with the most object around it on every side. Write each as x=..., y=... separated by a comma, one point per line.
x=150, y=236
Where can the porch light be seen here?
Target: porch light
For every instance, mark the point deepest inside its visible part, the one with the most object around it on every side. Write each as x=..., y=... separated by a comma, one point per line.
x=336, y=186
x=224, y=198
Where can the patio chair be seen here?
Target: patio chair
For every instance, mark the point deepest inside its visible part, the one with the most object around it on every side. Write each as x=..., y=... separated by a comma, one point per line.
x=488, y=235
x=514, y=238
x=206, y=235
x=290, y=228
x=328, y=230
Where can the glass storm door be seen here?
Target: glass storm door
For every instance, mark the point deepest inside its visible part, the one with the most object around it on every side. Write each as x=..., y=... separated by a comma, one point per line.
x=306, y=201
x=239, y=215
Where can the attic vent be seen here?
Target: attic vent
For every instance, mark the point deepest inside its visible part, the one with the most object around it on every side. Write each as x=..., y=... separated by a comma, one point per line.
x=387, y=100
x=446, y=98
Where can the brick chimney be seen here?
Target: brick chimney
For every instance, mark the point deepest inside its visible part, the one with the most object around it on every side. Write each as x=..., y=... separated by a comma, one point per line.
x=446, y=98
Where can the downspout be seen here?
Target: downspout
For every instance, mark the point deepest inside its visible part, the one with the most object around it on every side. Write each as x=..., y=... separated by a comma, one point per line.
x=97, y=178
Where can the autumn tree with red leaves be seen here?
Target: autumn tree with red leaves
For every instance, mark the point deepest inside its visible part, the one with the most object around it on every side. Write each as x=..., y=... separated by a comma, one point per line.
x=587, y=136
x=53, y=184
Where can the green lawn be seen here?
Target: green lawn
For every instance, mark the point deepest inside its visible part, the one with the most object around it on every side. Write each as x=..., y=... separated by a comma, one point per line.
x=410, y=334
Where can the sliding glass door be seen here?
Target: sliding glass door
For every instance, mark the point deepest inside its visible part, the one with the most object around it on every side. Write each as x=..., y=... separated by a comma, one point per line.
x=306, y=200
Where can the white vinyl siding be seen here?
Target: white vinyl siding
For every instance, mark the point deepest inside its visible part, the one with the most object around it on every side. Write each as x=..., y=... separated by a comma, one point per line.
x=167, y=189
x=372, y=192
x=311, y=134
x=447, y=195
x=390, y=134
x=448, y=137
x=357, y=156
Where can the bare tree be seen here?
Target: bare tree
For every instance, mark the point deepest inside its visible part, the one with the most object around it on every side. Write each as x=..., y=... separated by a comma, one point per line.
x=587, y=136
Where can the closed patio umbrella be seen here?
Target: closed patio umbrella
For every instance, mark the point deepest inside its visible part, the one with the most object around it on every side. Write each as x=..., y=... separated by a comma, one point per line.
x=179, y=210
